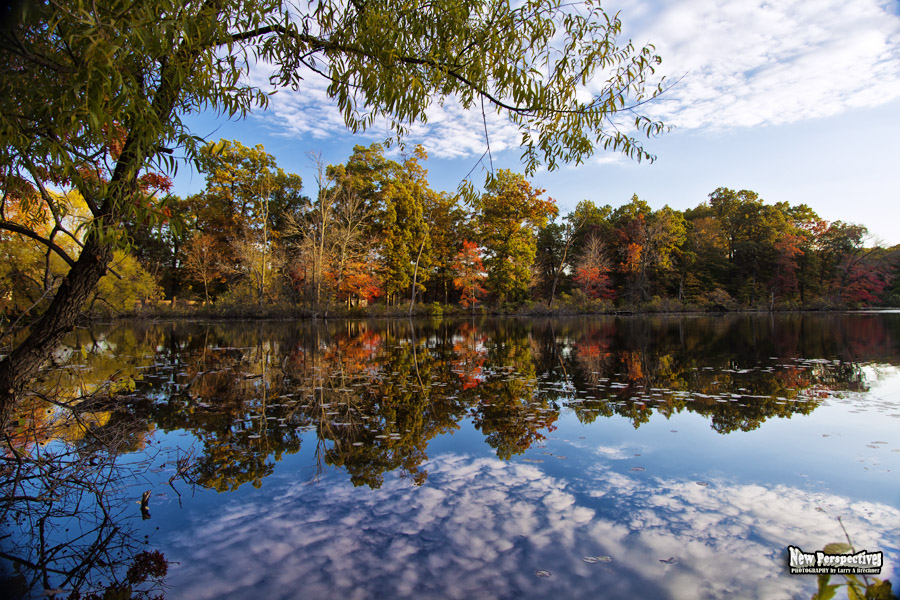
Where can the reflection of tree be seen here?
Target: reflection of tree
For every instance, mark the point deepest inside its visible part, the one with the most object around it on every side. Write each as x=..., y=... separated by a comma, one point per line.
x=372, y=395
x=402, y=406
x=66, y=508
x=470, y=352
x=726, y=370
x=510, y=410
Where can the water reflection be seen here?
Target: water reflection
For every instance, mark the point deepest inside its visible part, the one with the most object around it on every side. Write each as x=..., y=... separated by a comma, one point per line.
x=376, y=393
x=483, y=527
x=65, y=523
x=366, y=404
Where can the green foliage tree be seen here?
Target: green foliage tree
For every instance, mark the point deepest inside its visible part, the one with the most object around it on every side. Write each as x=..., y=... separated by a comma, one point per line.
x=92, y=95
x=403, y=231
x=508, y=216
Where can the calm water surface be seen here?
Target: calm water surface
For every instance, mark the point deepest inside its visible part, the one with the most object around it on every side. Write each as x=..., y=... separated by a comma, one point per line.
x=646, y=457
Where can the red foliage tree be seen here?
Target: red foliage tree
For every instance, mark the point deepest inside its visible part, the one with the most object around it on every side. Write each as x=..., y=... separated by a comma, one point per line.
x=469, y=274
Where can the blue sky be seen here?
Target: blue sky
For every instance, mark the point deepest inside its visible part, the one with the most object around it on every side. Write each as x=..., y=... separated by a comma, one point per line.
x=796, y=100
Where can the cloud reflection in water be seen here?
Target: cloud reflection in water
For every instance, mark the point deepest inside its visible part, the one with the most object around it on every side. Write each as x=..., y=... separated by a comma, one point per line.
x=482, y=527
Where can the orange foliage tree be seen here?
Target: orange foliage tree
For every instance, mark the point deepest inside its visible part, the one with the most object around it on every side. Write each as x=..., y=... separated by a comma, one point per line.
x=469, y=274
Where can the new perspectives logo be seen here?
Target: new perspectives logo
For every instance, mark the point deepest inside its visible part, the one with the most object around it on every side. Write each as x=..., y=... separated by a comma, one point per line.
x=819, y=562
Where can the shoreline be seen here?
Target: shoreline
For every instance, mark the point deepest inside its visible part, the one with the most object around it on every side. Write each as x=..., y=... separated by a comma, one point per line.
x=426, y=312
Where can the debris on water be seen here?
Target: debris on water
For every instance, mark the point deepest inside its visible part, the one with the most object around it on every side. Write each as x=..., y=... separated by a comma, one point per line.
x=669, y=561
x=637, y=468
x=595, y=559
x=542, y=573
x=532, y=460
x=703, y=483
x=820, y=509
x=145, y=505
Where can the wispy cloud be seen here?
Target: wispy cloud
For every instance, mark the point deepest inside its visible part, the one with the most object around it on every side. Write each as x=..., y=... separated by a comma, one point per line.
x=746, y=64
x=448, y=131
x=767, y=62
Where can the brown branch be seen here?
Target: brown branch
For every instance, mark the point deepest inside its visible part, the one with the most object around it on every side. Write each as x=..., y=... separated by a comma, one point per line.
x=30, y=234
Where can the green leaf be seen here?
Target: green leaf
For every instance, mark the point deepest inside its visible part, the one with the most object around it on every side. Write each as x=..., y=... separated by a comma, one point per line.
x=879, y=590
x=854, y=592
x=838, y=548
x=825, y=591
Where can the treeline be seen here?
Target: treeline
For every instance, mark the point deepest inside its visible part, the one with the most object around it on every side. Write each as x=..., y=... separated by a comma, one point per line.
x=373, y=232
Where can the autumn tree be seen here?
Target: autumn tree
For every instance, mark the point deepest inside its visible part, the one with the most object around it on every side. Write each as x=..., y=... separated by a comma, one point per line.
x=785, y=283
x=447, y=227
x=202, y=260
x=592, y=269
x=126, y=283
x=67, y=92
x=469, y=275
x=508, y=216
x=245, y=206
x=559, y=243
x=646, y=243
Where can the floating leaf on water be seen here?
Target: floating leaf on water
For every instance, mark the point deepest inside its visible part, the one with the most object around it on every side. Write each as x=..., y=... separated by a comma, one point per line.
x=703, y=483
x=637, y=468
x=542, y=573
x=532, y=460
x=820, y=509
x=595, y=559
x=669, y=561
x=562, y=457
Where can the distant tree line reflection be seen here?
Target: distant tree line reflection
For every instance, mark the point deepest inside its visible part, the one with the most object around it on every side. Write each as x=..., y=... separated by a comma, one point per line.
x=377, y=392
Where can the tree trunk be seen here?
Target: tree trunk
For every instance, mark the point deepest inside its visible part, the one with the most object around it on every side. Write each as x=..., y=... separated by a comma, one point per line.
x=46, y=334
x=412, y=298
x=21, y=364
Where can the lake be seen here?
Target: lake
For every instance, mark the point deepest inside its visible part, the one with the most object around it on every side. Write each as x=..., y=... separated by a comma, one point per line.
x=607, y=457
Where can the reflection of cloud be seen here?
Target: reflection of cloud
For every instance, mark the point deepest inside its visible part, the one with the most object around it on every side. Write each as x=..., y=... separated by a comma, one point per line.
x=481, y=527
x=620, y=452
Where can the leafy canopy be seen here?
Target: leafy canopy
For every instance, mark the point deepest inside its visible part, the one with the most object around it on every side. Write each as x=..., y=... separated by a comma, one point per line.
x=93, y=92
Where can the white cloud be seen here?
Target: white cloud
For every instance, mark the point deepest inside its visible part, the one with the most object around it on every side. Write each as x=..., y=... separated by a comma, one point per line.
x=449, y=131
x=748, y=63
x=765, y=62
